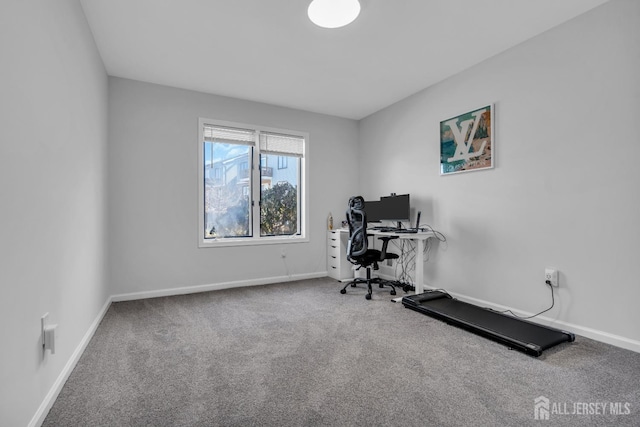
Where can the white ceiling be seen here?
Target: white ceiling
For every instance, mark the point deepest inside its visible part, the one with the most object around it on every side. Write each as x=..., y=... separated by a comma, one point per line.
x=269, y=51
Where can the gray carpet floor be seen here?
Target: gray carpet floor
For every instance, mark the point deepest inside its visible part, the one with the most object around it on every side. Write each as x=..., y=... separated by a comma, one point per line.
x=302, y=354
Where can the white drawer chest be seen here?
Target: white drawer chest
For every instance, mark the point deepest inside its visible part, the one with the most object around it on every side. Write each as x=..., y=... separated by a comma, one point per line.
x=338, y=267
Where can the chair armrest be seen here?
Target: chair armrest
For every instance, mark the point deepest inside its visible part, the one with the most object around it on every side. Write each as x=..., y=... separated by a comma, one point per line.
x=385, y=243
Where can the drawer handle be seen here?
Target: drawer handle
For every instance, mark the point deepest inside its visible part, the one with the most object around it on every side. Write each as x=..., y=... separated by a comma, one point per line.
x=334, y=247
x=334, y=267
x=334, y=257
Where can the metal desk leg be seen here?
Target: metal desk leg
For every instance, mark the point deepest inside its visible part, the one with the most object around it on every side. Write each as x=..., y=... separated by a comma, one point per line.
x=419, y=276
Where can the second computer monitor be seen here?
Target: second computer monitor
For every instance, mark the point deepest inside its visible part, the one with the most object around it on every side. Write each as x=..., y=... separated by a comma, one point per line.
x=396, y=208
x=389, y=208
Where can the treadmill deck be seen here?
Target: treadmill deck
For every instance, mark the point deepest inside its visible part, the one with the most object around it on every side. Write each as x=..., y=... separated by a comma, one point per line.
x=520, y=334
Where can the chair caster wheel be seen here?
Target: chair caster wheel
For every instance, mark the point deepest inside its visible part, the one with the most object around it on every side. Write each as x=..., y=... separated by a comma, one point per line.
x=392, y=292
x=353, y=285
x=343, y=291
x=368, y=296
x=381, y=286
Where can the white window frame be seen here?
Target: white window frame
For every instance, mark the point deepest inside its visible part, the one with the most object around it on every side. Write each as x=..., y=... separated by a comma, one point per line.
x=303, y=190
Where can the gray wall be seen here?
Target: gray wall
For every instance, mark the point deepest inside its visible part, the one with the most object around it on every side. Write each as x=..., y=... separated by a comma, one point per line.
x=153, y=189
x=564, y=192
x=53, y=136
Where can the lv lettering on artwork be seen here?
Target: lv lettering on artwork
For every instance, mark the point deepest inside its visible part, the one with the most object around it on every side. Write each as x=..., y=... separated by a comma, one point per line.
x=466, y=141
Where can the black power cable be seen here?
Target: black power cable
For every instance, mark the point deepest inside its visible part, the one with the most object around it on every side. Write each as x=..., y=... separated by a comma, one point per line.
x=553, y=301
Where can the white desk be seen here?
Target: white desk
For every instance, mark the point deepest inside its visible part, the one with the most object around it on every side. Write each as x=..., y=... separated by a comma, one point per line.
x=419, y=238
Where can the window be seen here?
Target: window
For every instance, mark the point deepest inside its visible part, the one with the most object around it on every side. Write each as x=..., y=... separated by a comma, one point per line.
x=243, y=199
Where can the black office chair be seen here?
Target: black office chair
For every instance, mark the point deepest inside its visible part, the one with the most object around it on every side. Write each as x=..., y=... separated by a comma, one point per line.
x=358, y=252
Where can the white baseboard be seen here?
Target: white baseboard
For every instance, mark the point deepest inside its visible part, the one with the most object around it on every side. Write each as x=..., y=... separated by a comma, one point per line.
x=214, y=287
x=50, y=398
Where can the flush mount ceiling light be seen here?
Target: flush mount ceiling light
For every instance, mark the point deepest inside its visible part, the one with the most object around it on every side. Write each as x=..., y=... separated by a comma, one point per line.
x=333, y=13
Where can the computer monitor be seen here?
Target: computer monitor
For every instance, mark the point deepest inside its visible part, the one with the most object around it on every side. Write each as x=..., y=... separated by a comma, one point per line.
x=373, y=209
x=389, y=208
x=396, y=207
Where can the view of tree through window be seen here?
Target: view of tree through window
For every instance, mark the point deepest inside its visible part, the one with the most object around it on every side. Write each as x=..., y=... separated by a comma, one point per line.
x=279, y=200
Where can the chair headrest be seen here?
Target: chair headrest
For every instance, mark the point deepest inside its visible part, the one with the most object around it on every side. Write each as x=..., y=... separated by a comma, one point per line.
x=356, y=202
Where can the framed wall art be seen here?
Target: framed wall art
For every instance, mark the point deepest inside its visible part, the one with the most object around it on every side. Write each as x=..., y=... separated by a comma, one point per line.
x=466, y=141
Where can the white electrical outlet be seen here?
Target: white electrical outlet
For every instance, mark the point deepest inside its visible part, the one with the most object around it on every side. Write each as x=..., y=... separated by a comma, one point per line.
x=48, y=334
x=551, y=276
x=50, y=338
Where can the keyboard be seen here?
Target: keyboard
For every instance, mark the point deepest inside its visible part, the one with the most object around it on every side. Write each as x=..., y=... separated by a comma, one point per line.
x=383, y=229
x=394, y=230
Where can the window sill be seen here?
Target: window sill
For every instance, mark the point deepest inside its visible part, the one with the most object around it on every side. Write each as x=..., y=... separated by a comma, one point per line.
x=249, y=241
